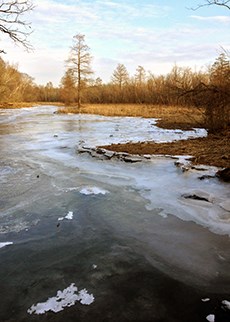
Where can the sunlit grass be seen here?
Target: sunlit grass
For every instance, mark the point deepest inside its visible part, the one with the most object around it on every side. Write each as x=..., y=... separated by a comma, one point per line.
x=185, y=116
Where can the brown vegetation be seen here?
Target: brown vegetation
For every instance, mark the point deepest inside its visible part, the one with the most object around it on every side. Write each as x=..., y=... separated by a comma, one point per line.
x=213, y=150
x=176, y=116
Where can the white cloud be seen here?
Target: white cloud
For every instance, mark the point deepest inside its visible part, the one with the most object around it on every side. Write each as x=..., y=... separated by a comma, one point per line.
x=118, y=31
x=218, y=19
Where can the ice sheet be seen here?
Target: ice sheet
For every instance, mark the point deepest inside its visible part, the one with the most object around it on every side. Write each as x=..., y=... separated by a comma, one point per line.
x=56, y=138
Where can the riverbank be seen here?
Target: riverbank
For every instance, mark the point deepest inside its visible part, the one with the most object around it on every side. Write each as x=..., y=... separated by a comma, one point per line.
x=214, y=150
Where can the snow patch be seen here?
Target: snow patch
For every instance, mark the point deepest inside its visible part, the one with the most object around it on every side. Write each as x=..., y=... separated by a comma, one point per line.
x=210, y=318
x=66, y=298
x=226, y=304
x=205, y=300
x=5, y=244
x=93, y=191
x=69, y=216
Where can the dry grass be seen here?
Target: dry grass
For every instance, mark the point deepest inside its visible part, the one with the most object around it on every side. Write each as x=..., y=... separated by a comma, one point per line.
x=172, y=116
x=211, y=150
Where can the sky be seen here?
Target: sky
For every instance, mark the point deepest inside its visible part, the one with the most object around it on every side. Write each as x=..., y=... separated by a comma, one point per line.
x=155, y=34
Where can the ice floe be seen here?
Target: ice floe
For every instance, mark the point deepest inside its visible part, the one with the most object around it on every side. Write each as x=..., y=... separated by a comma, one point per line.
x=69, y=216
x=66, y=298
x=93, y=191
x=5, y=244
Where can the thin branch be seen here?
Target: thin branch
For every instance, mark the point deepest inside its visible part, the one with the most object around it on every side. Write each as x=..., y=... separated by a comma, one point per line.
x=12, y=24
x=221, y=3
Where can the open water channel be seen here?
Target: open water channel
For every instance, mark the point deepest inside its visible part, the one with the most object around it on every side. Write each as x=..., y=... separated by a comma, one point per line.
x=84, y=239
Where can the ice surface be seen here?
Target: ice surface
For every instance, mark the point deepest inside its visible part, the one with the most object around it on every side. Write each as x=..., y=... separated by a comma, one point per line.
x=66, y=298
x=5, y=244
x=157, y=180
x=93, y=191
x=210, y=318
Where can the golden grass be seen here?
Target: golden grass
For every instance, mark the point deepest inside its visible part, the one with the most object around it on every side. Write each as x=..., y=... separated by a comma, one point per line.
x=169, y=115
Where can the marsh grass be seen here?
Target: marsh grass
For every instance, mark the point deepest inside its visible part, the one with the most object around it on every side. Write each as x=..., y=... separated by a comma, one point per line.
x=169, y=116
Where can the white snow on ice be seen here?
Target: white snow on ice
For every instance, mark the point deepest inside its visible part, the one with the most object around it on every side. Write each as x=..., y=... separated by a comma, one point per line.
x=93, y=191
x=5, y=244
x=66, y=298
x=69, y=216
x=205, y=300
x=210, y=318
x=226, y=304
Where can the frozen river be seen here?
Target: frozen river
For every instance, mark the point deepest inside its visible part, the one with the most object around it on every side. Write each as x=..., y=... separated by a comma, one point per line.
x=84, y=239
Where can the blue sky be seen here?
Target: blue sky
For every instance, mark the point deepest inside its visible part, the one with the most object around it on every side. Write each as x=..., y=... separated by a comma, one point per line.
x=155, y=34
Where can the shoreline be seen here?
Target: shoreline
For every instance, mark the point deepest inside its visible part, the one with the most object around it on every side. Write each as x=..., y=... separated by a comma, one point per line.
x=213, y=150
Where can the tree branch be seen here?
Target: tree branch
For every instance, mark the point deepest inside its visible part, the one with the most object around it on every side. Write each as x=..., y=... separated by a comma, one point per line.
x=221, y=3
x=12, y=24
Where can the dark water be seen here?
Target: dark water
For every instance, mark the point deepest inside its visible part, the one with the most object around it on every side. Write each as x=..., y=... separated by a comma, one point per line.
x=138, y=265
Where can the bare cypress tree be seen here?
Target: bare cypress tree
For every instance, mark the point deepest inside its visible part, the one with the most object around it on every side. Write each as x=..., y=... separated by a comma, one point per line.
x=12, y=23
x=79, y=64
x=140, y=76
x=120, y=76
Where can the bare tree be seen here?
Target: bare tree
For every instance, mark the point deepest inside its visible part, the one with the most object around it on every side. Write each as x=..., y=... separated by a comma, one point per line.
x=120, y=76
x=12, y=22
x=140, y=75
x=79, y=64
x=221, y=3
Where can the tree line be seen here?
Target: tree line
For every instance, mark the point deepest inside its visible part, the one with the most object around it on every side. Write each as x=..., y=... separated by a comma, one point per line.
x=181, y=86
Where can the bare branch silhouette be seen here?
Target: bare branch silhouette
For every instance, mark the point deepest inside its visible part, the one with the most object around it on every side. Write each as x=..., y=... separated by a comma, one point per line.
x=12, y=22
x=221, y=3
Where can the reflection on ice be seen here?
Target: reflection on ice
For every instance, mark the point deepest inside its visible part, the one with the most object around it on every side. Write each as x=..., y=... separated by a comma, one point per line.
x=66, y=298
